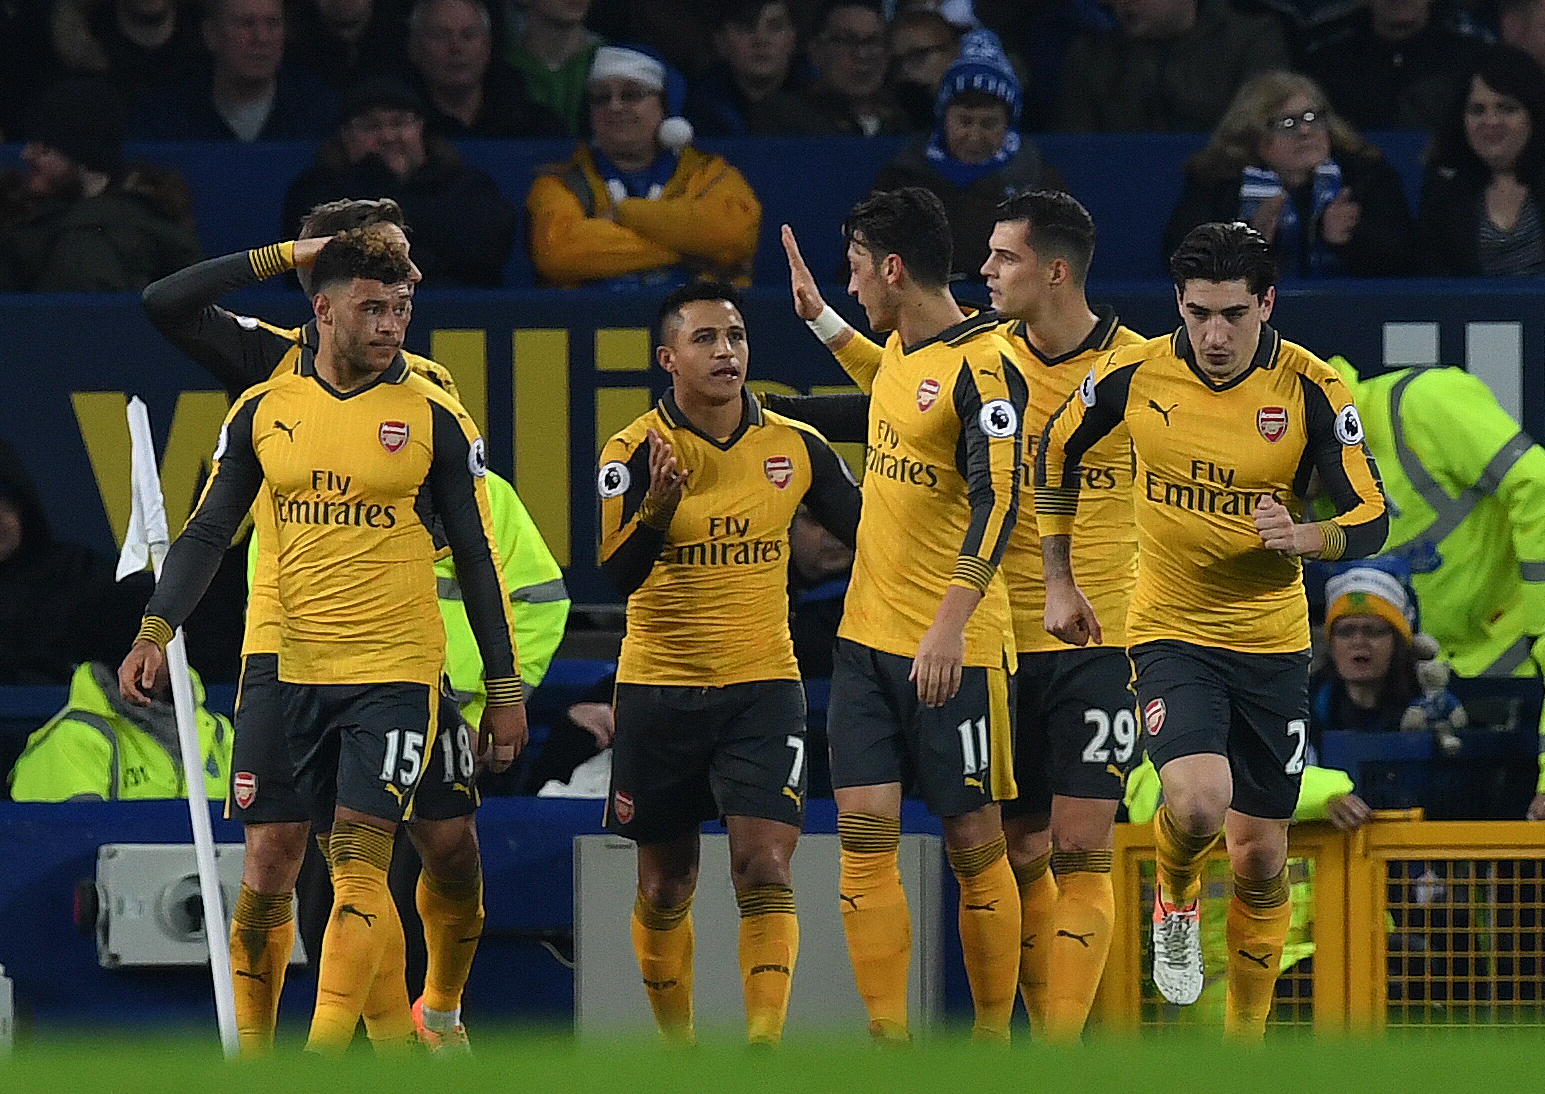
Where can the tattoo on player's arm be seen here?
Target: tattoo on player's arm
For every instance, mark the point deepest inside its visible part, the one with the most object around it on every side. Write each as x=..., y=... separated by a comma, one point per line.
x=1056, y=561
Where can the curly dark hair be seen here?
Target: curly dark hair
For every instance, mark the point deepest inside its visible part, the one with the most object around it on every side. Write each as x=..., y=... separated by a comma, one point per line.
x=370, y=253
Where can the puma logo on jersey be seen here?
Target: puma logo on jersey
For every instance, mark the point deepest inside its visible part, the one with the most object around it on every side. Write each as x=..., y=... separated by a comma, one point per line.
x=1163, y=411
x=289, y=430
x=852, y=900
x=1261, y=961
x=349, y=909
x=1081, y=939
x=990, y=906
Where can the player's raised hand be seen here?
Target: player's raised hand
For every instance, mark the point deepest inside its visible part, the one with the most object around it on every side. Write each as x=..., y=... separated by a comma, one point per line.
x=936, y=669
x=306, y=250
x=501, y=734
x=667, y=479
x=1069, y=615
x=137, y=675
x=808, y=301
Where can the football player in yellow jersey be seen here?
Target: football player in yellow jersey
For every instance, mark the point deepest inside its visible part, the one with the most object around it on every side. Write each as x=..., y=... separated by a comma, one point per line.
x=1229, y=424
x=242, y=352
x=361, y=641
x=696, y=500
x=921, y=676
x=1075, y=730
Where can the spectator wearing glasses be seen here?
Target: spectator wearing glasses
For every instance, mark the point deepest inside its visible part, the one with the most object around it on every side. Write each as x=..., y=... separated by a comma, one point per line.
x=1282, y=161
x=638, y=206
x=463, y=226
x=847, y=94
x=922, y=46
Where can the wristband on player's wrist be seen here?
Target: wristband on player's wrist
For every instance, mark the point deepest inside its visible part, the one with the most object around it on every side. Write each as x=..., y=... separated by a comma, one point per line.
x=828, y=324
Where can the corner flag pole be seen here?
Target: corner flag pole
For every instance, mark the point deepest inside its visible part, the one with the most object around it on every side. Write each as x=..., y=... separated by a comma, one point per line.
x=148, y=536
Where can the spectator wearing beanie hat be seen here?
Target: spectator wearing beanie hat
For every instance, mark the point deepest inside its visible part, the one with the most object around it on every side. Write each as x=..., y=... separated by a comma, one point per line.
x=639, y=206
x=974, y=158
x=1369, y=678
x=75, y=218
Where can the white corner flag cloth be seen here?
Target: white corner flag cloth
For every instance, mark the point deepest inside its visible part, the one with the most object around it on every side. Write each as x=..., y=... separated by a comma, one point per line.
x=147, y=513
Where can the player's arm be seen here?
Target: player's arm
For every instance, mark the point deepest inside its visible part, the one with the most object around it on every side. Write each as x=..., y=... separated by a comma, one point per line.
x=184, y=306
x=194, y=556
x=989, y=396
x=460, y=500
x=1093, y=410
x=639, y=492
x=840, y=417
x=833, y=496
x=1334, y=448
x=858, y=356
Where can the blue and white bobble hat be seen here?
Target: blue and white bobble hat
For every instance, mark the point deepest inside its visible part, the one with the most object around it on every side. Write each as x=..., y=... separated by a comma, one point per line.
x=644, y=66
x=981, y=66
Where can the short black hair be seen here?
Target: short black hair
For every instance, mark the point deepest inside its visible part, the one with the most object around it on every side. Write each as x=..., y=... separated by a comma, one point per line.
x=682, y=295
x=369, y=253
x=824, y=13
x=1056, y=225
x=332, y=217
x=744, y=13
x=909, y=223
x=1224, y=252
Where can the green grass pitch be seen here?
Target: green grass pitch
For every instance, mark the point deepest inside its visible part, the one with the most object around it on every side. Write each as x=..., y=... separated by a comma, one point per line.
x=1448, y=1061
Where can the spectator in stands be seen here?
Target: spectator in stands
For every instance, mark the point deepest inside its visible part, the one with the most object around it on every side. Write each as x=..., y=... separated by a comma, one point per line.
x=552, y=51
x=1040, y=33
x=1168, y=66
x=1522, y=26
x=468, y=94
x=639, y=206
x=1482, y=207
x=922, y=45
x=340, y=42
x=133, y=43
x=59, y=605
x=1369, y=678
x=1392, y=66
x=463, y=225
x=975, y=158
x=847, y=93
x=749, y=92
x=246, y=92
x=582, y=733
x=1284, y=162
x=101, y=748
x=75, y=218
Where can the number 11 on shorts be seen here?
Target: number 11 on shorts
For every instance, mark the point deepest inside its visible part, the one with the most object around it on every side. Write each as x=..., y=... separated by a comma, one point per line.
x=973, y=745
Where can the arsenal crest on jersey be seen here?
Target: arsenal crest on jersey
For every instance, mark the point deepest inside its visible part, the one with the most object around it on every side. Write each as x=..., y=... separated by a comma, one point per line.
x=394, y=435
x=244, y=788
x=927, y=394
x=1272, y=421
x=780, y=470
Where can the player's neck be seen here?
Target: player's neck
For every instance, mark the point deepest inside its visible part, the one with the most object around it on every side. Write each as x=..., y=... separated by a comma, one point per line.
x=925, y=314
x=1064, y=327
x=716, y=420
x=339, y=374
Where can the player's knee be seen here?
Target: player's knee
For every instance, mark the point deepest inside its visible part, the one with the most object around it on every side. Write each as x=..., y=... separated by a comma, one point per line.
x=448, y=848
x=752, y=867
x=274, y=853
x=1198, y=810
x=1257, y=858
x=668, y=890
x=1026, y=842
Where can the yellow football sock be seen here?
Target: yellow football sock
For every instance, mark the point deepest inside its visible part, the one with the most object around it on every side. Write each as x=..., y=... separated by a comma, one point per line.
x=875, y=919
x=1081, y=930
x=1181, y=858
x=262, y=936
x=1037, y=899
x=662, y=939
x=359, y=932
x=769, y=946
x=387, y=1013
x=1258, y=919
x=452, y=912
x=989, y=933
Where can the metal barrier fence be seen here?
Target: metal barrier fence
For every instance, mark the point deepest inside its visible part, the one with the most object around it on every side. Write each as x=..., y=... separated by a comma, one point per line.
x=1403, y=924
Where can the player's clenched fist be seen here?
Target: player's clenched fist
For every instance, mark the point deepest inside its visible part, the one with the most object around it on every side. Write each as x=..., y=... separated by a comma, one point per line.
x=501, y=735
x=1279, y=533
x=1069, y=615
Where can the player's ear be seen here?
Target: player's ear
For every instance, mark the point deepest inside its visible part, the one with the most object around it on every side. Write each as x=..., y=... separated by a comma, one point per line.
x=665, y=357
x=323, y=307
x=893, y=269
x=1268, y=299
x=1059, y=271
